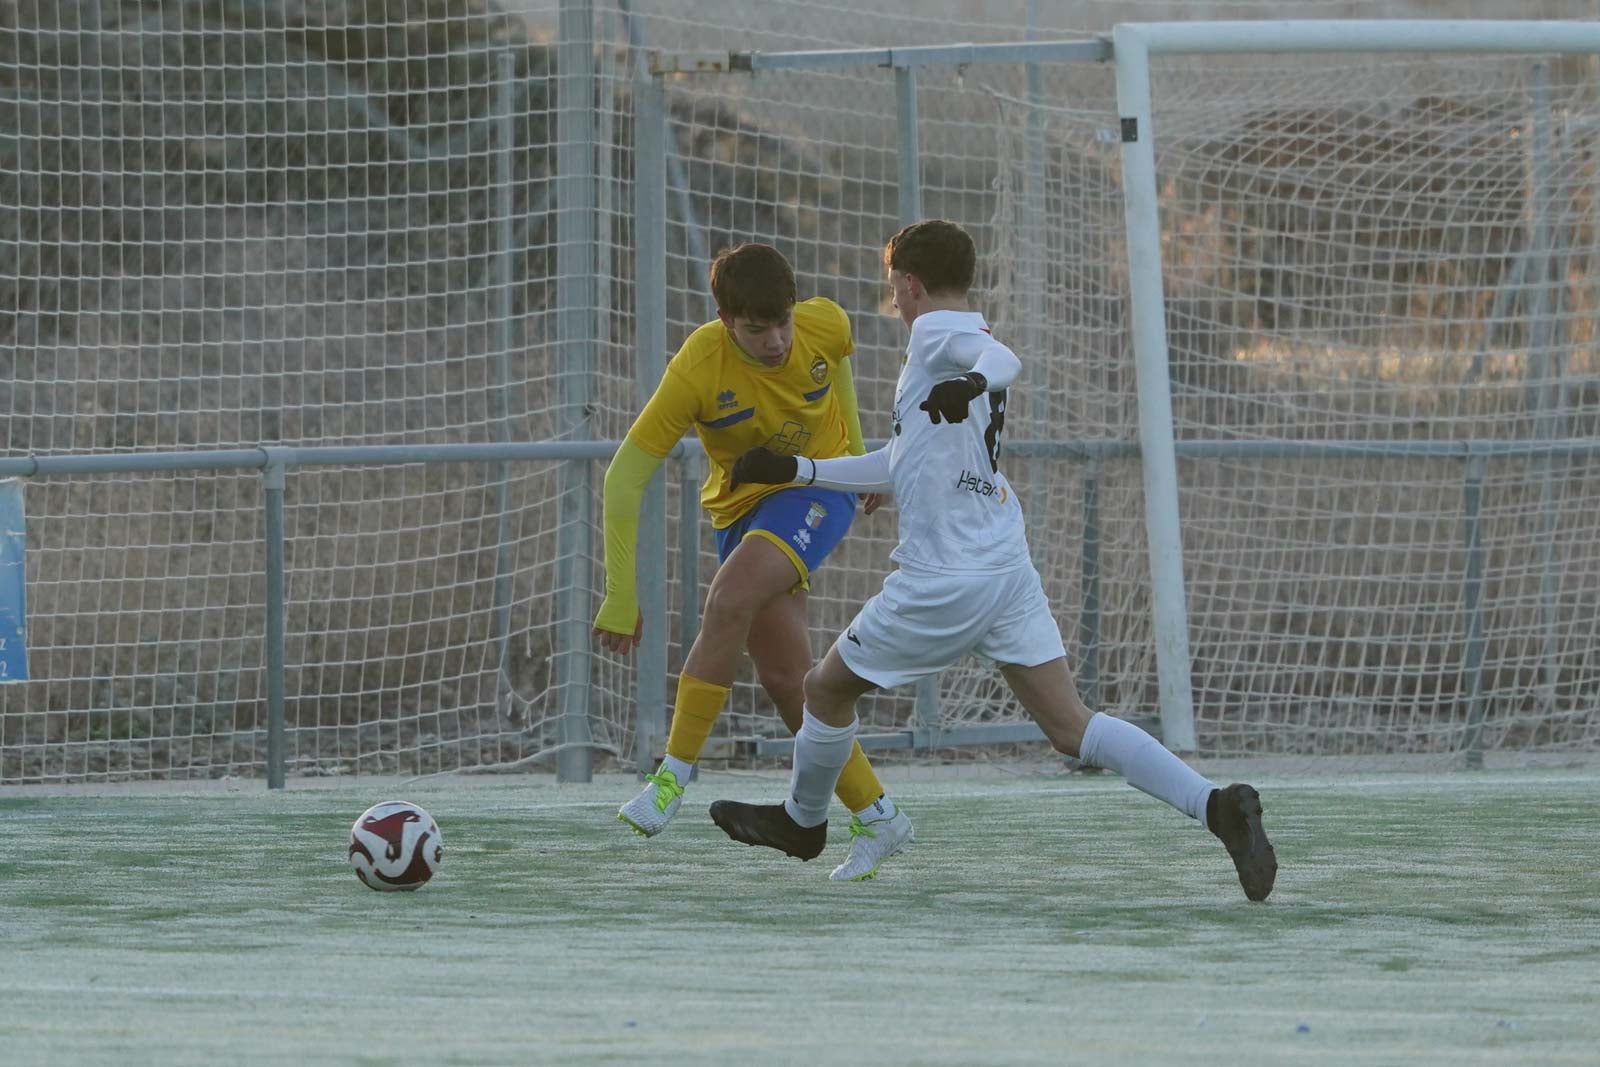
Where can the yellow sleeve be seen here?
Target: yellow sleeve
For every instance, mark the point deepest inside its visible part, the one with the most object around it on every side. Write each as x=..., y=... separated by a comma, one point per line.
x=630, y=471
x=838, y=330
x=667, y=417
x=846, y=386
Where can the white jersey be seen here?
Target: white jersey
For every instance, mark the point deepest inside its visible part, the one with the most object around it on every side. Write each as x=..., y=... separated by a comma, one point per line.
x=958, y=514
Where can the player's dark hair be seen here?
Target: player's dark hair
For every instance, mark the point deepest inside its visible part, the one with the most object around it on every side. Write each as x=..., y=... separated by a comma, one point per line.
x=753, y=281
x=938, y=252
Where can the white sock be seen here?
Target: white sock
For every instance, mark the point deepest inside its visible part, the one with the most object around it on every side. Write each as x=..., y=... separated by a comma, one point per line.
x=879, y=810
x=679, y=769
x=1123, y=747
x=820, y=753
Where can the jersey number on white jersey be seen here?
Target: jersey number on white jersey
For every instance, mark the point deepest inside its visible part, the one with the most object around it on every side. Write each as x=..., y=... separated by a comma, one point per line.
x=997, y=423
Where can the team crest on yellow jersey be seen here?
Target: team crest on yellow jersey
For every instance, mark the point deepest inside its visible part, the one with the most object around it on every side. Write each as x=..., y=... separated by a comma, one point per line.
x=819, y=369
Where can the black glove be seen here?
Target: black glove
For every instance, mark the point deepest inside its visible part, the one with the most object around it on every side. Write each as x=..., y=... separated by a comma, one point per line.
x=953, y=399
x=763, y=466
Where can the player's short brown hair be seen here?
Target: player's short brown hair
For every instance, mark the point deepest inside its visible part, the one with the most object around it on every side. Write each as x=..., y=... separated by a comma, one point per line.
x=753, y=281
x=940, y=253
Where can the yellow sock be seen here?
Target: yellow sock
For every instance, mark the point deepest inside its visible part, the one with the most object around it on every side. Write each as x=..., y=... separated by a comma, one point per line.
x=694, y=713
x=858, y=783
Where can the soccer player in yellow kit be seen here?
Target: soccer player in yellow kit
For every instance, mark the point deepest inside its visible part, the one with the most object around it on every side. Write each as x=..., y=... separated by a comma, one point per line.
x=774, y=373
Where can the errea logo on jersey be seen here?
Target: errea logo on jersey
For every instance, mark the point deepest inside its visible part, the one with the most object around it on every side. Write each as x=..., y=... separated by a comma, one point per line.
x=727, y=399
x=976, y=483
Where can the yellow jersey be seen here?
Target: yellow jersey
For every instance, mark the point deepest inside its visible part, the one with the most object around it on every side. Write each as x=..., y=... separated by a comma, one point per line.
x=806, y=407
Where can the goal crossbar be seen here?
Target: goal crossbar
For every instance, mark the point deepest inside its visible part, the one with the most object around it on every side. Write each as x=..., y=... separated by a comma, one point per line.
x=1094, y=49
x=1365, y=35
x=1232, y=37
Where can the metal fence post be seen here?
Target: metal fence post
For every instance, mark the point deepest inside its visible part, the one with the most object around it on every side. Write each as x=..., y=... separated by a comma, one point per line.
x=577, y=336
x=273, y=480
x=1544, y=370
x=650, y=327
x=925, y=707
x=1471, y=605
x=1089, y=577
x=501, y=340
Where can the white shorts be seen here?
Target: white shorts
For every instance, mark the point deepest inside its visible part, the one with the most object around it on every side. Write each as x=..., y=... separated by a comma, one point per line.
x=922, y=623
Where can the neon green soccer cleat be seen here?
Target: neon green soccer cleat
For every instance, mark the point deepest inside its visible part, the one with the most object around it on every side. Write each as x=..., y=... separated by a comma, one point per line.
x=871, y=843
x=649, y=812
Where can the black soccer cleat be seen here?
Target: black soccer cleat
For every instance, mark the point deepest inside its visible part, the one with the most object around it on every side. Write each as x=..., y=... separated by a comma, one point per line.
x=769, y=825
x=1234, y=815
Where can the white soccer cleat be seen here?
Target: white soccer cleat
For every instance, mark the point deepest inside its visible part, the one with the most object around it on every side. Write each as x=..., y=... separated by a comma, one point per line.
x=650, y=811
x=871, y=843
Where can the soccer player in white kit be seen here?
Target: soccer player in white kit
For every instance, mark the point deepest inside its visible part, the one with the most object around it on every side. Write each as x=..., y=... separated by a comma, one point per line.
x=965, y=581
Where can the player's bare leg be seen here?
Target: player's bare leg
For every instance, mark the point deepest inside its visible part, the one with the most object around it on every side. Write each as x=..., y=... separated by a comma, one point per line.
x=780, y=648
x=779, y=643
x=799, y=825
x=832, y=689
x=755, y=575
x=1050, y=695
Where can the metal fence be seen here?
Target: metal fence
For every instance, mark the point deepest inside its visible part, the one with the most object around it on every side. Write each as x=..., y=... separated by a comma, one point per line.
x=276, y=465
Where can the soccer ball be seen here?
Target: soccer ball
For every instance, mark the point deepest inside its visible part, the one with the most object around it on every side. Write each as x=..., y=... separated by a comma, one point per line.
x=395, y=845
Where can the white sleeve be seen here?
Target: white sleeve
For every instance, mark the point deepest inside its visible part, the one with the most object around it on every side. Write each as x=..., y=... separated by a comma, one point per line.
x=851, y=474
x=998, y=365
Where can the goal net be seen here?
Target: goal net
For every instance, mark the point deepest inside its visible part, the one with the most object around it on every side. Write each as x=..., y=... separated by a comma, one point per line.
x=1396, y=253
x=1379, y=278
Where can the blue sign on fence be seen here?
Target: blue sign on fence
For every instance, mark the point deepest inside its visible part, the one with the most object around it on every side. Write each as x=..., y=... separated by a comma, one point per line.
x=13, y=602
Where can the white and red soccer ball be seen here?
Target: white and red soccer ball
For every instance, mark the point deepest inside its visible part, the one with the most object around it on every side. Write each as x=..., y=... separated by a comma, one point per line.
x=395, y=846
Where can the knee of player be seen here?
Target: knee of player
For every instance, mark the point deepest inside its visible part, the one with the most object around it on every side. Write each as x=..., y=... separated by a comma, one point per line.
x=786, y=685
x=730, y=601
x=815, y=687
